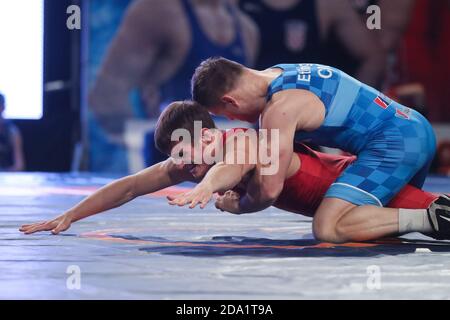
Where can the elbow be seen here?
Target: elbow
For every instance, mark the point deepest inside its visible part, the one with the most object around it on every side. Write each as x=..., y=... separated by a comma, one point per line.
x=130, y=195
x=131, y=192
x=269, y=194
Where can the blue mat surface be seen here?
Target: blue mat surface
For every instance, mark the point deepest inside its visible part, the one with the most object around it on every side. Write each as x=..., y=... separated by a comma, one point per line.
x=149, y=250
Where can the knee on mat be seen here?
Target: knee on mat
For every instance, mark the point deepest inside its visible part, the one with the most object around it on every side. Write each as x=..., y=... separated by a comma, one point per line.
x=328, y=232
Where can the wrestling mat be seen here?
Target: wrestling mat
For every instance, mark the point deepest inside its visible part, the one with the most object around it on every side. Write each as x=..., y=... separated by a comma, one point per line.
x=149, y=250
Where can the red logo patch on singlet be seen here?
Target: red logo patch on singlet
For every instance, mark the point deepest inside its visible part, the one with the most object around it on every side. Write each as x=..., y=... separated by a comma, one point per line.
x=382, y=102
x=404, y=114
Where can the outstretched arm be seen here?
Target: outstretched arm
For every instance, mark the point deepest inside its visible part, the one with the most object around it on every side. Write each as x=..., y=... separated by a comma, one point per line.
x=114, y=195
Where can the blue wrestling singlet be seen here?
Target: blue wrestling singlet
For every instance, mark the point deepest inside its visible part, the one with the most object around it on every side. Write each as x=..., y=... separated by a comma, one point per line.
x=394, y=144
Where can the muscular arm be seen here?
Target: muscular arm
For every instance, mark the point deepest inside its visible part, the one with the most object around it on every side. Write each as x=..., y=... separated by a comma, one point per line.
x=115, y=194
x=223, y=177
x=290, y=110
x=134, y=51
x=227, y=174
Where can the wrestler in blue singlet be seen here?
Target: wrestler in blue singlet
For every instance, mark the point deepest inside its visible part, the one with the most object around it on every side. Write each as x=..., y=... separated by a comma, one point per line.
x=394, y=144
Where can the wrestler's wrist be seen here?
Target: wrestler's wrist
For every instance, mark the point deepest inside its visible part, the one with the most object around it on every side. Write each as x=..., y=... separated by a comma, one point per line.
x=244, y=204
x=71, y=215
x=208, y=186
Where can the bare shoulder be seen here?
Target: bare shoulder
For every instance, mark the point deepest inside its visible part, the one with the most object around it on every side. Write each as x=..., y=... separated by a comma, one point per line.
x=177, y=173
x=170, y=166
x=146, y=25
x=290, y=101
x=300, y=108
x=166, y=167
x=167, y=170
x=154, y=14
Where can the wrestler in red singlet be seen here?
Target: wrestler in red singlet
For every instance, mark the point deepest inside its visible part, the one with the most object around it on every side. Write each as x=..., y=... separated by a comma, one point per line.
x=304, y=191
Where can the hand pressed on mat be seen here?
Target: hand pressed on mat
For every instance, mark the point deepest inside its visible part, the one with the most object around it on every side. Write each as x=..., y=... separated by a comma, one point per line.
x=200, y=195
x=57, y=225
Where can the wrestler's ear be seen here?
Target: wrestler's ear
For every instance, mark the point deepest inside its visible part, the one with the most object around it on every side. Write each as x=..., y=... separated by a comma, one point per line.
x=207, y=136
x=230, y=101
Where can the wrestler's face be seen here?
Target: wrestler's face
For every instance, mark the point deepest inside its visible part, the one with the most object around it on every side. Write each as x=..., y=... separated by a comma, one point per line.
x=192, y=155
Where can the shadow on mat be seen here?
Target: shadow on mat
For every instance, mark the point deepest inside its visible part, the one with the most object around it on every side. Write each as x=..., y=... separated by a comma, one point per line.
x=261, y=247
